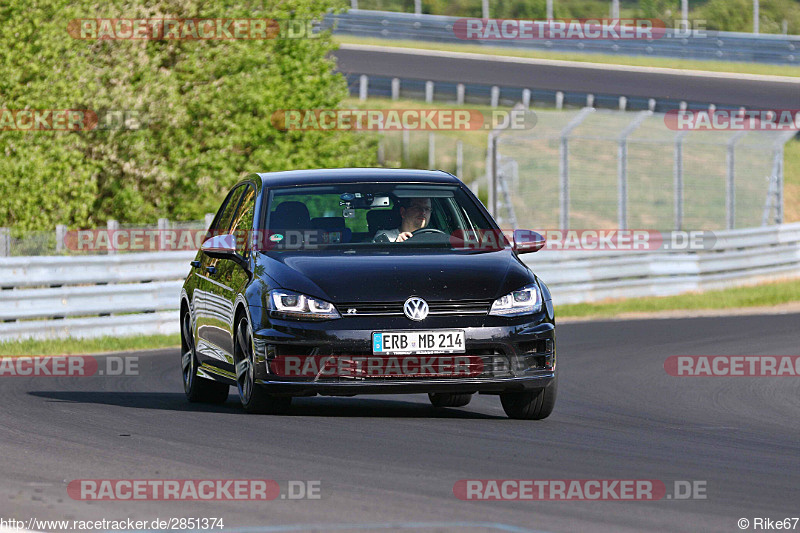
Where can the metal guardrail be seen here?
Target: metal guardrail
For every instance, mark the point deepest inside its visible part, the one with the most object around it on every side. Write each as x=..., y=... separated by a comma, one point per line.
x=363, y=86
x=137, y=294
x=739, y=257
x=91, y=296
x=729, y=46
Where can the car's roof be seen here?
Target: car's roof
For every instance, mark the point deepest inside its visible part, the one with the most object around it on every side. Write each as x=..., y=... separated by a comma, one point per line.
x=353, y=175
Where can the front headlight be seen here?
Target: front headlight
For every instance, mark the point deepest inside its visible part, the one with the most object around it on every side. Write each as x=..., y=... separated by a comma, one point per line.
x=520, y=302
x=288, y=304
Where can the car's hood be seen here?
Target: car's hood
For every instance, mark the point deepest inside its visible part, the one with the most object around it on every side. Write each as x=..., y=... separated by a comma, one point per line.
x=370, y=277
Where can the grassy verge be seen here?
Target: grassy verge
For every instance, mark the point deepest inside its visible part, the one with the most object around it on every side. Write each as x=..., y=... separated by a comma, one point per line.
x=87, y=346
x=768, y=294
x=791, y=181
x=638, y=61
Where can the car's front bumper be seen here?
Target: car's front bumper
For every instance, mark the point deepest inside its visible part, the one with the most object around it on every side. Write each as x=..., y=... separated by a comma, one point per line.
x=398, y=386
x=517, y=354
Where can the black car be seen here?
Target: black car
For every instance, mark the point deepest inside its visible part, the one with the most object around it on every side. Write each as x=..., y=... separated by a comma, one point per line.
x=364, y=281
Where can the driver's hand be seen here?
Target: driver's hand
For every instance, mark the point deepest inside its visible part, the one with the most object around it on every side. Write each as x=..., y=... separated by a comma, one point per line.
x=404, y=236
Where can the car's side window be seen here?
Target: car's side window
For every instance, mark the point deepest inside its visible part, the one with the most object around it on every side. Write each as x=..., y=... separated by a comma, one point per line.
x=243, y=220
x=222, y=222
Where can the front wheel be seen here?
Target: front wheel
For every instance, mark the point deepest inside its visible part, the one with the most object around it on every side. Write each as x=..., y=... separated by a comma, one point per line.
x=530, y=405
x=197, y=389
x=439, y=399
x=254, y=398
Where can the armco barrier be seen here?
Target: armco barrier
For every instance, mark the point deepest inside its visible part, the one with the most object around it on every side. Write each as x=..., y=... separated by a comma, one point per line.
x=134, y=294
x=717, y=45
x=91, y=296
x=739, y=257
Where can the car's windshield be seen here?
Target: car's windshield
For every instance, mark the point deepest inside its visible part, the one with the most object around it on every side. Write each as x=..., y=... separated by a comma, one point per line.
x=371, y=216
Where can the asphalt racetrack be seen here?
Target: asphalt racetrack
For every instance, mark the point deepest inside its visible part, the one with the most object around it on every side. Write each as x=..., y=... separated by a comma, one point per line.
x=753, y=92
x=390, y=462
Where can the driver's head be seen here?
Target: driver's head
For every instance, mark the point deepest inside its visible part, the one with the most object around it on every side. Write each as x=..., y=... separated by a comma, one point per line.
x=415, y=214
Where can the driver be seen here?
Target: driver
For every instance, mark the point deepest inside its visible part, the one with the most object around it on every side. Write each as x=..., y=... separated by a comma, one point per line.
x=414, y=214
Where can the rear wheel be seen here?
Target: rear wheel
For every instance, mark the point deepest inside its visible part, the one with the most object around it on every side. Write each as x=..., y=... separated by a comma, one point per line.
x=530, y=405
x=197, y=389
x=449, y=400
x=254, y=398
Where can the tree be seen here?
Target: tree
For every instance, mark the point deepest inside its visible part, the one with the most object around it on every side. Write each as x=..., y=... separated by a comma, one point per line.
x=203, y=107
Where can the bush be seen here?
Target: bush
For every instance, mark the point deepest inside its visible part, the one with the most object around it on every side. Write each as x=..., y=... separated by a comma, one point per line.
x=206, y=108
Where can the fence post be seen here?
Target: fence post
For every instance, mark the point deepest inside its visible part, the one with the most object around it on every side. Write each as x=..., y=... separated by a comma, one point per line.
x=622, y=169
x=163, y=226
x=431, y=151
x=495, y=96
x=779, y=208
x=381, y=152
x=5, y=242
x=209, y=219
x=353, y=4
x=730, y=189
x=363, y=87
x=112, y=226
x=395, y=88
x=61, y=234
x=406, y=150
x=590, y=100
x=526, y=98
x=623, y=103
x=559, y=100
x=677, y=170
x=493, y=173
x=459, y=159
x=429, y=92
x=460, y=94
x=563, y=165
x=651, y=104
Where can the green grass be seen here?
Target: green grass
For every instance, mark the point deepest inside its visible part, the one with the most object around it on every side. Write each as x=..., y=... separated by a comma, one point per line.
x=88, y=346
x=639, y=61
x=763, y=295
x=791, y=181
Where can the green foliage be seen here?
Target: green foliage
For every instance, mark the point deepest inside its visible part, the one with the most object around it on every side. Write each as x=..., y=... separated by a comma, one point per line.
x=205, y=108
x=729, y=15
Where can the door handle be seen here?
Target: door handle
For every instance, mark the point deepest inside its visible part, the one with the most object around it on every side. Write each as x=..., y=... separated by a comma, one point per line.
x=211, y=270
x=195, y=264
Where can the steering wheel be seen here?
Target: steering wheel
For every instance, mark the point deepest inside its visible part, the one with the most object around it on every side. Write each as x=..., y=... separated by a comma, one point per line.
x=424, y=231
x=423, y=235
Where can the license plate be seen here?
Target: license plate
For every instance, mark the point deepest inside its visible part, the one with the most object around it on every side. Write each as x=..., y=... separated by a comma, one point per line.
x=421, y=342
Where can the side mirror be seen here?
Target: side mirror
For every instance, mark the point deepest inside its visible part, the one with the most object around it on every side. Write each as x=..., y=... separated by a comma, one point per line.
x=526, y=241
x=220, y=247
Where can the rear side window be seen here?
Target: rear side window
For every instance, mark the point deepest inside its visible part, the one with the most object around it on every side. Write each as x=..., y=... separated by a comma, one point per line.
x=224, y=219
x=243, y=219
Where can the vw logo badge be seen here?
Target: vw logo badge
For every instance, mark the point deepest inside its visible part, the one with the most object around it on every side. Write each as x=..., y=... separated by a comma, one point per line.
x=416, y=308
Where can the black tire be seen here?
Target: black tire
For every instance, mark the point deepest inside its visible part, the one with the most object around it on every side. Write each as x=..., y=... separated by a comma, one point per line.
x=530, y=405
x=254, y=398
x=441, y=399
x=197, y=389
